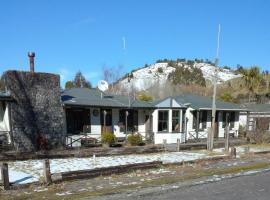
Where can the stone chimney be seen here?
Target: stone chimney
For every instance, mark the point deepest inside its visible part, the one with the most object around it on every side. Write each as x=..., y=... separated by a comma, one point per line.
x=31, y=56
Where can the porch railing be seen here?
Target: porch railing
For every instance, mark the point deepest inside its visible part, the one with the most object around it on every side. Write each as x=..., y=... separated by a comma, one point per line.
x=70, y=140
x=193, y=135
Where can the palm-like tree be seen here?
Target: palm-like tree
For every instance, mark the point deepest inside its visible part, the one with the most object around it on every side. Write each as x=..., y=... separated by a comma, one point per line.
x=252, y=78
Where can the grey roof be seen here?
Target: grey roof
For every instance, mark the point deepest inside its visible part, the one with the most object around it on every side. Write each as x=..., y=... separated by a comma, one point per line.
x=169, y=102
x=96, y=98
x=201, y=102
x=257, y=107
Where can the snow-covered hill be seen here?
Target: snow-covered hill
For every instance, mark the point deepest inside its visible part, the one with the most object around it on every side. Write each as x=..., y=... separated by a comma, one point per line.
x=158, y=73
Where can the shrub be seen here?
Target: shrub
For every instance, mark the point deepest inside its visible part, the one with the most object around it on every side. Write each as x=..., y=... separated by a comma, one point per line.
x=160, y=70
x=242, y=132
x=227, y=97
x=226, y=67
x=108, y=138
x=135, y=139
x=145, y=97
x=260, y=134
x=187, y=76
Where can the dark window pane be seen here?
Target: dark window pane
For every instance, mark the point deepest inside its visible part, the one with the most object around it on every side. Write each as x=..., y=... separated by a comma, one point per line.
x=163, y=120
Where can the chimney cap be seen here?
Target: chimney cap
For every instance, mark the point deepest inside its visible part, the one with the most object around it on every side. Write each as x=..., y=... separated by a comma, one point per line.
x=31, y=54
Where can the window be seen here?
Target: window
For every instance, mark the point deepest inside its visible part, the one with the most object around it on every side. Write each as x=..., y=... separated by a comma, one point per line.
x=175, y=121
x=232, y=120
x=163, y=125
x=194, y=124
x=203, y=118
x=132, y=120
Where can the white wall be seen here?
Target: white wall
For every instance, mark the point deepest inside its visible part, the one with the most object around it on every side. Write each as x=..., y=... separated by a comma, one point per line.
x=95, y=124
x=168, y=136
x=243, y=119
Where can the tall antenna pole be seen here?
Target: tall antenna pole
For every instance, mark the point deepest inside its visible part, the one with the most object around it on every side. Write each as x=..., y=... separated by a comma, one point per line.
x=211, y=133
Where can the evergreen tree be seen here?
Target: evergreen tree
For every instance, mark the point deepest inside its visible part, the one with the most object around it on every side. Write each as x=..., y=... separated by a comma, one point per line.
x=69, y=85
x=78, y=82
x=252, y=78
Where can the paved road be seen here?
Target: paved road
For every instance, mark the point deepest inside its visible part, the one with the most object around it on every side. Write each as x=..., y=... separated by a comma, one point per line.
x=255, y=187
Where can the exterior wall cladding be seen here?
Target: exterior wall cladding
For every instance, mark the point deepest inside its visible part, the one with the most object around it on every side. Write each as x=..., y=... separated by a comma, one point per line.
x=36, y=113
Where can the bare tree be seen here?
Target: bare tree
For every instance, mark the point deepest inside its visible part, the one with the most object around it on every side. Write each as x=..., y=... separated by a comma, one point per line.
x=112, y=75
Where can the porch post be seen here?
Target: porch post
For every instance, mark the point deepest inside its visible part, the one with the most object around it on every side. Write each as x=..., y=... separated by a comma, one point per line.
x=64, y=138
x=126, y=122
x=197, y=124
x=180, y=120
x=227, y=132
x=185, y=127
x=247, y=122
x=104, y=120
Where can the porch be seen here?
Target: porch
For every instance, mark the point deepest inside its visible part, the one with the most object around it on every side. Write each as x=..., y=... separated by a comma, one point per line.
x=90, y=122
x=200, y=122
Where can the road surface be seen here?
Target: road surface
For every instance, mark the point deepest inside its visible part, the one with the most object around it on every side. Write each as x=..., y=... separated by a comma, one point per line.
x=253, y=187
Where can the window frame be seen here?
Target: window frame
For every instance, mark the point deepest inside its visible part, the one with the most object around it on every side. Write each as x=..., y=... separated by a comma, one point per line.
x=178, y=120
x=163, y=121
x=203, y=119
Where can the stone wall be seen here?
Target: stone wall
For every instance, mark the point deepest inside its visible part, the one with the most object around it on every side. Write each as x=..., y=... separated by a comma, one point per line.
x=36, y=114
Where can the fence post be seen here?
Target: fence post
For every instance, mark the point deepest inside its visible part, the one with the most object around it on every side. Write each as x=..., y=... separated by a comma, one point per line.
x=164, y=144
x=178, y=144
x=233, y=152
x=4, y=176
x=246, y=149
x=47, y=171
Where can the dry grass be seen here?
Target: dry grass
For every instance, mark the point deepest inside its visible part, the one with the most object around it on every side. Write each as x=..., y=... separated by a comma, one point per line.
x=194, y=173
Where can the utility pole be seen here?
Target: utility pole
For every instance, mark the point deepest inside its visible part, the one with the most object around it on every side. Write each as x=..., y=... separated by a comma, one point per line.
x=210, y=138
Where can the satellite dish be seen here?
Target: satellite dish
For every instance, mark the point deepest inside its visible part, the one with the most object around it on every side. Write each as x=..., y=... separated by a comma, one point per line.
x=103, y=85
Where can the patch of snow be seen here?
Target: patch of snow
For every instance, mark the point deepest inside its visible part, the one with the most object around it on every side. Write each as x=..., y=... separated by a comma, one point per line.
x=32, y=170
x=147, y=77
x=63, y=193
x=19, y=177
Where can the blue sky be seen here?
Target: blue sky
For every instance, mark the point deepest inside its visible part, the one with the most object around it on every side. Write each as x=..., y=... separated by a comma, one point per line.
x=72, y=35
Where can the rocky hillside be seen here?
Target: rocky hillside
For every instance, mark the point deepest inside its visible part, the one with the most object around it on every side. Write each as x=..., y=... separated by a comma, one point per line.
x=158, y=73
